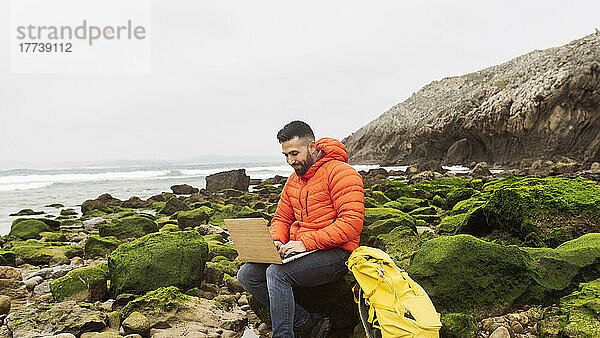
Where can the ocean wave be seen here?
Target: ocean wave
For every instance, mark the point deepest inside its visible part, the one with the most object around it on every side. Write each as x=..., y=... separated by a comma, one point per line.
x=24, y=186
x=73, y=177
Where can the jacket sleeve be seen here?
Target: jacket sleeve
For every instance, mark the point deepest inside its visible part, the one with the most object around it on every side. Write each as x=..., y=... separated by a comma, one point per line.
x=284, y=217
x=347, y=195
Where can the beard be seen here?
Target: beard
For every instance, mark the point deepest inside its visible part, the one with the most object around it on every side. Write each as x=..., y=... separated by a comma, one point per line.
x=304, y=166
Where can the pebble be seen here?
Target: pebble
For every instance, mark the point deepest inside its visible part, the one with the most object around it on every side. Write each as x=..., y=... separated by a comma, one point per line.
x=33, y=281
x=513, y=317
x=46, y=297
x=243, y=300
x=263, y=328
x=518, y=328
x=500, y=332
x=4, y=305
x=8, y=272
x=77, y=261
x=524, y=319
x=486, y=324
x=41, y=288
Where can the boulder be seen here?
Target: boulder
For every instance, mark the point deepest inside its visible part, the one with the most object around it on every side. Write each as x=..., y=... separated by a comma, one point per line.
x=184, y=189
x=483, y=278
x=13, y=288
x=167, y=306
x=406, y=204
x=93, y=223
x=133, y=226
x=194, y=217
x=233, y=211
x=96, y=246
x=7, y=258
x=68, y=212
x=175, y=258
x=49, y=319
x=481, y=169
x=383, y=226
x=234, y=179
x=83, y=284
x=174, y=205
x=104, y=203
x=136, y=323
x=28, y=229
x=135, y=202
x=38, y=253
x=27, y=212
x=5, y=305
x=8, y=272
x=373, y=215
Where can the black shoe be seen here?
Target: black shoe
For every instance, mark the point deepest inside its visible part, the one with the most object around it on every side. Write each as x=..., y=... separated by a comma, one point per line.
x=317, y=326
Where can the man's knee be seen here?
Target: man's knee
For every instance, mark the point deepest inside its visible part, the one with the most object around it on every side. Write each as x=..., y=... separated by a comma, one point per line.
x=248, y=273
x=275, y=272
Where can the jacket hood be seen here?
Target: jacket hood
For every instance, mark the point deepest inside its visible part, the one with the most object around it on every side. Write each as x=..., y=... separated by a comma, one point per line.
x=330, y=149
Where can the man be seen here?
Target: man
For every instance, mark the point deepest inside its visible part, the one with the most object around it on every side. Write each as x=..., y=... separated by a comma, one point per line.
x=321, y=207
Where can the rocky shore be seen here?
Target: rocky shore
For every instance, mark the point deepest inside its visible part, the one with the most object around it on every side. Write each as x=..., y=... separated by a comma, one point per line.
x=513, y=254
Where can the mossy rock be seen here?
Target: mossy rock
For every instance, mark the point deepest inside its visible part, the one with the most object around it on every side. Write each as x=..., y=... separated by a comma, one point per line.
x=7, y=258
x=194, y=217
x=170, y=227
x=406, y=204
x=578, y=314
x=442, y=186
x=371, y=203
x=424, y=211
x=27, y=212
x=483, y=278
x=156, y=260
x=96, y=246
x=458, y=325
x=233, y=211
x=216, y=248
x=53, y=224
x=28, y=229
x=216, y=271
x=134, y=226
x=457, y=195
x=68, y=212
x=53, y=236
x=395, y=190
x=380, y=197
x=373, y=215
x=451, y=225
x=162, y=298
x=83, y=284
x=383, y=226
x=38, y=253
x=157, y=206
x=401, y=244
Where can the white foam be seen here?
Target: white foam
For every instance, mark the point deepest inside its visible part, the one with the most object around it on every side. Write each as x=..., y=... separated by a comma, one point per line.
x=24, y=186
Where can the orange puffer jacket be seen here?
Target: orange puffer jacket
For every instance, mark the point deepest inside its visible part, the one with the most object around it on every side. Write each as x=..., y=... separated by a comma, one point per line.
x=325, y=208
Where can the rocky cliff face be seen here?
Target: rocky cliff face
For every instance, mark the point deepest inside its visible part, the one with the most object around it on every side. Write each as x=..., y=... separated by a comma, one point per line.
x=541, y=105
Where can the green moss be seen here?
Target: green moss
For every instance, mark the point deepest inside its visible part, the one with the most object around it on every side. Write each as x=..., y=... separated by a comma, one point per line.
x=83, y=284
x=581, y=311
x=216, y=248
x=401, y=244
x=451, y=225
x=233, y=211
x=194, y=217
x=371, y=203
x=458, y=325
x=170, y=227
x=96, y=246
x=406, y=204
x=214, y=237
x=394, y=190
x=370, y=232
x=442, y=186
x=374, y=214
x=54, y=236
x=28, y=229
x=156, y=260
x=380, y=197
x=161, y=299
x=36, y=253
x=457, y=195
x=157, y=206
x=7, y=258
x=134, y=226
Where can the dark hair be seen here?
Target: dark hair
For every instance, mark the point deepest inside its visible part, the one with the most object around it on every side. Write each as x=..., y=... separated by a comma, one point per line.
x=293, y=129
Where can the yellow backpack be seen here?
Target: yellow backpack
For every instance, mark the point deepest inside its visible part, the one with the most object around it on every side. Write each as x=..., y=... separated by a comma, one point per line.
x=398, y=306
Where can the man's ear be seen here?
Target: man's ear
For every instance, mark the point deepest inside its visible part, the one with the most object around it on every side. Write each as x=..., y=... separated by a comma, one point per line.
x=312, y=147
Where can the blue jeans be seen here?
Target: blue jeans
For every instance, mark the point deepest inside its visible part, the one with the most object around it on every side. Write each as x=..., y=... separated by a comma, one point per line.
x=271, y=284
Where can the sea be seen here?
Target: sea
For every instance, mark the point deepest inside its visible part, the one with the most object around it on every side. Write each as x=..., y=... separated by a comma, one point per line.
x=37, y=188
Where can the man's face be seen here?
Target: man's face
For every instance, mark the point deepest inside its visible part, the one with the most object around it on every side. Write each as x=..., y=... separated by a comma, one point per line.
x=300, y=154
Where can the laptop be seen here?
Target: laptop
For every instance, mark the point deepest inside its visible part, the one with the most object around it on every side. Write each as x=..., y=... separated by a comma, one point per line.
x=253, y=241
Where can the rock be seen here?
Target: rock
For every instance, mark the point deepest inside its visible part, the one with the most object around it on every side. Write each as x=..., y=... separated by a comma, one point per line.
x=167, y=306
x=189, y=329
x=27, y=212
x=13, y=288
x=133, y=226
x=38, y=253
x=135, y=202
x=194, y=217
x=184, y=189
x=32, y=282
x=114, y=320
x=233, y=179
x=96, y=246
x=474, y=117
x=406, y=204
x=42, y=288
x=8, y=272
x=481, y=169
x=4, y=305
x=77, y=261
x=7, y=258
x=175, y=258
x=473, y=264
x=517, y=327
x=172, y=206
x=384, y=226
x=458, y=325
x=100, y=335
x=136, y=323
x=68, y=212
x=595, y=166
x=218, y=249
x=500, y=332
x=65, y=335
x=373, y=215
x=28, y=229
x=233, y=285
x=46, y=319
x=563, y=168
x=55, y=205
x=93, y=223
x=83, y=284
x=104, y=203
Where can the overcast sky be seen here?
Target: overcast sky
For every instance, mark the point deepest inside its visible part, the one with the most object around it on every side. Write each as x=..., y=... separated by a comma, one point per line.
x=227, y=75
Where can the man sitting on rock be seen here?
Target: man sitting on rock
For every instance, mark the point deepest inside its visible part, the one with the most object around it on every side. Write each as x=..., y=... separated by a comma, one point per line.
x=321, y=207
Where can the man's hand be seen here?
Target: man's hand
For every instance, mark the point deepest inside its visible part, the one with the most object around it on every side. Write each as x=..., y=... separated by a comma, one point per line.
x=278, y=244
x=291, y=247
